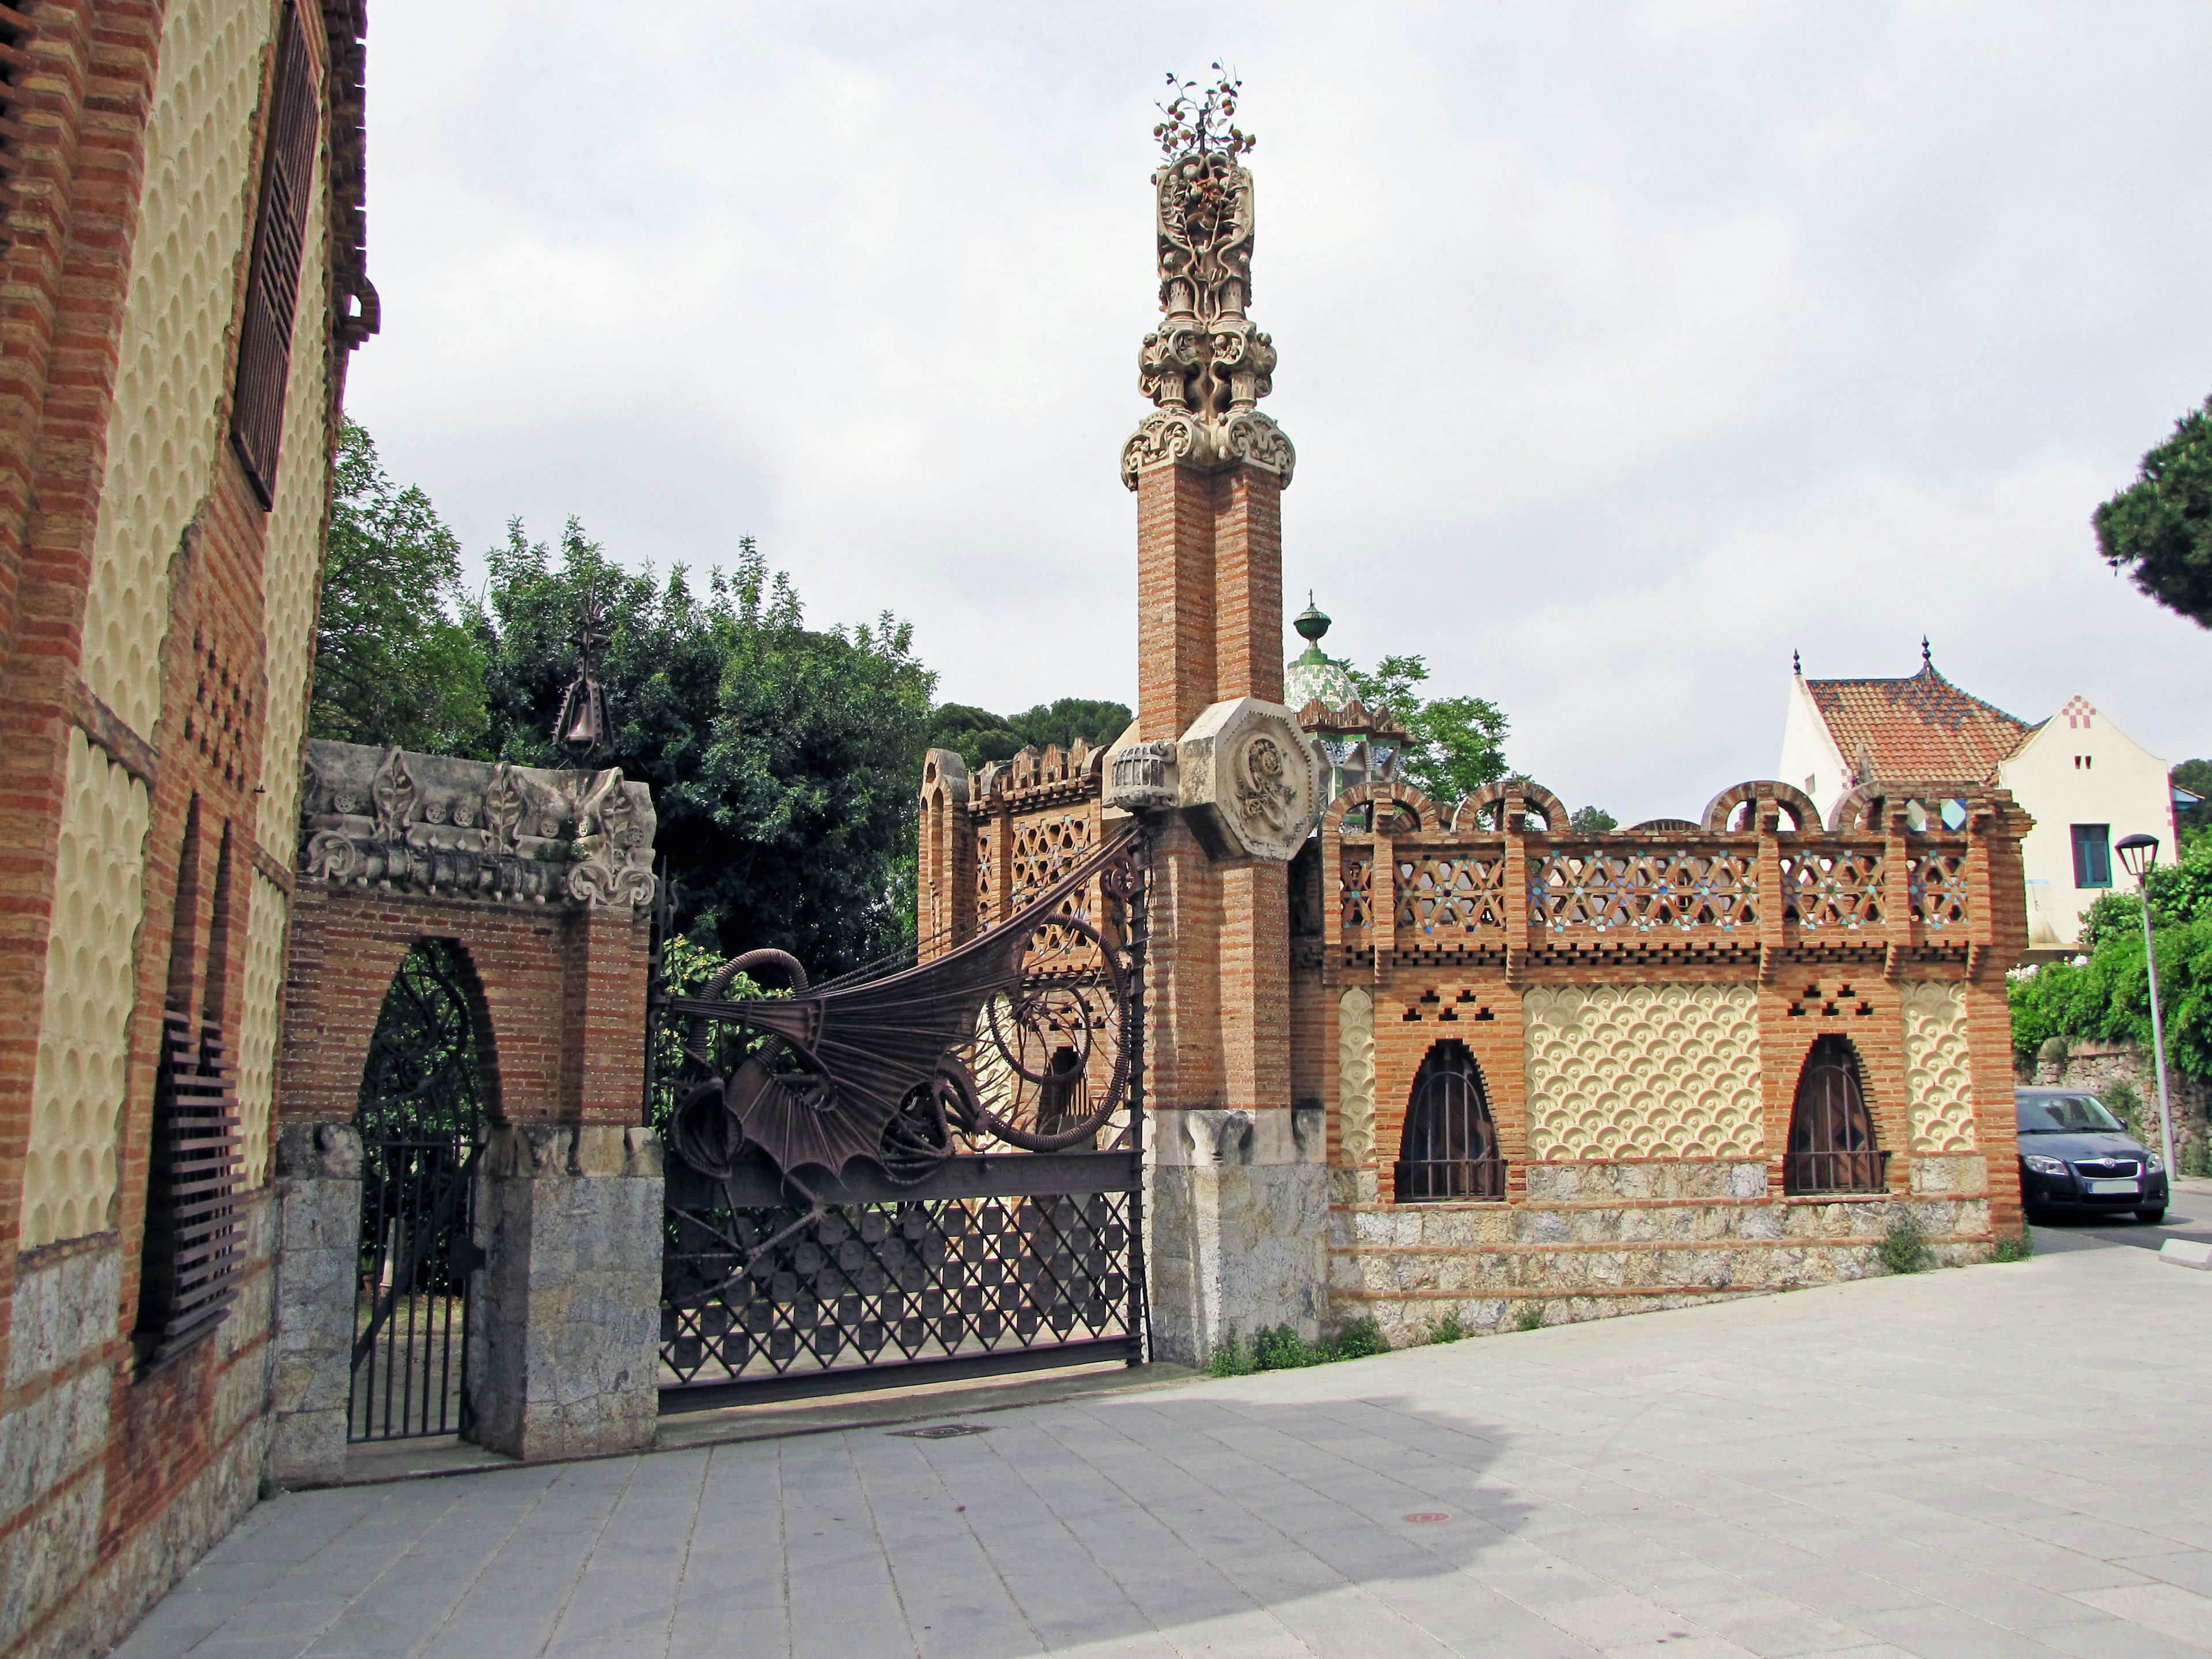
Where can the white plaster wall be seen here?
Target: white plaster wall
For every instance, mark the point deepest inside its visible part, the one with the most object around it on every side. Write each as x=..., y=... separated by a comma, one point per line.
x=1810, y=759
x=2124, y=784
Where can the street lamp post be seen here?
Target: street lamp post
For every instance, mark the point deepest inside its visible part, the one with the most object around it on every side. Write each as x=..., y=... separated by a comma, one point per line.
x=2139, y=853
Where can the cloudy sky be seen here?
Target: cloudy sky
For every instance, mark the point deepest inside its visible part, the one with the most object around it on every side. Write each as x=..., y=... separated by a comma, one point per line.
x=1626, y=348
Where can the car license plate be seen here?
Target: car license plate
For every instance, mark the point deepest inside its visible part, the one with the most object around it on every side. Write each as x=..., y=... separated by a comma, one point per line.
x=2114, y=1186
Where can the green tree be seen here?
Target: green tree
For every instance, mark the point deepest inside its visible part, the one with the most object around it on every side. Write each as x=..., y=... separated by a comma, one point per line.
x=1591, y=821
x=2159, y=529
x=981, y=737
x=1457, y=744
x=2195, y=776
x=394, y=662
x=2105, y=994
x=781, y=756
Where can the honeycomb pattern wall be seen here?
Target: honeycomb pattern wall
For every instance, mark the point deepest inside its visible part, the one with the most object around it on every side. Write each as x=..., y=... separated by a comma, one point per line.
x=1642, y=1071
x=1939, y=1078
x=256, y=1023
x=295, y=558
x=162, y=432
x=78, y=1088
x=1355, y=1076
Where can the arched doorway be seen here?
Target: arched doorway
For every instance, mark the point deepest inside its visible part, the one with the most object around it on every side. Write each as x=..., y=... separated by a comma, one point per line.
x=421, y=1106
x=1449, y=1146
x=1832, y=1138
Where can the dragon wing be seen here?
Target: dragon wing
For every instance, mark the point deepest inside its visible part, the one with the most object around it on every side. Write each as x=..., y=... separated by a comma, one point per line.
x=866, y=1047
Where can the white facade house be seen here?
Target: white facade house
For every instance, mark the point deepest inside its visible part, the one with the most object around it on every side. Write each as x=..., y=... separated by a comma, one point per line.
x=2085, y=782
x=2088, y=784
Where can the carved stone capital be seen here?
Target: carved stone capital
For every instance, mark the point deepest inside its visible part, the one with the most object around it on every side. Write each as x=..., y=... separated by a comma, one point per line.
x=1144, y=777
x=1242, y=438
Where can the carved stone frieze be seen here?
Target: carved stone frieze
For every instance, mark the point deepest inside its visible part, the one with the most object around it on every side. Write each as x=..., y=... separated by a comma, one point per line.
x=471, y=829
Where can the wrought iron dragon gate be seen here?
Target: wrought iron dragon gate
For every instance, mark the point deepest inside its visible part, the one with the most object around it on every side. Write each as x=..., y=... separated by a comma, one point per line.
x=935, y=1172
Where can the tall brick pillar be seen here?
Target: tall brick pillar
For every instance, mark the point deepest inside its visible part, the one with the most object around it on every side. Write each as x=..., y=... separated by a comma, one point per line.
x=1230, y=787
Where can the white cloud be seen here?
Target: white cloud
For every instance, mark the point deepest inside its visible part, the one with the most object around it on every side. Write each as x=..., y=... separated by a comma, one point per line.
x=1625, y=347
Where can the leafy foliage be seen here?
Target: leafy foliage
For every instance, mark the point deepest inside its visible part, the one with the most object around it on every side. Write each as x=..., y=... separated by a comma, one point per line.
x=1905, y=1250
x=394, y=661
x=1591, y=821
x=2159, y=529
x=1282, y=1349
x=780, y=757
x=1457, y=744
x=1200, y=117
x=2195, y=776
x=1450, y=1328
x=2108, y=996
x=980, y=736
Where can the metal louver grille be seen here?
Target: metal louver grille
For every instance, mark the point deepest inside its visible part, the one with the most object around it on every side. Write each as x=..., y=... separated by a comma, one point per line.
x=192, y=1255
x=265, y=346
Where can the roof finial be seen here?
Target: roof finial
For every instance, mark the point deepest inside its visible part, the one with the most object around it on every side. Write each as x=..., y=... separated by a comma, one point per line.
x=584, y=727
x=1796, y=664
x=1925, y=661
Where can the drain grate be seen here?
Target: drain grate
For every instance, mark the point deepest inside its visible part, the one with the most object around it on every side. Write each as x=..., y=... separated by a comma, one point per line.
x=941, y=1431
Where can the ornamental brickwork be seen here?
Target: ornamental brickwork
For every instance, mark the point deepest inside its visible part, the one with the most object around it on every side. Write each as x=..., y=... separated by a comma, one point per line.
x=157, y=632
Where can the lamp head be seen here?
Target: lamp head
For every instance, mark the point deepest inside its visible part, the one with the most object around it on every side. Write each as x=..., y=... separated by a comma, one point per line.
x=2137, y=853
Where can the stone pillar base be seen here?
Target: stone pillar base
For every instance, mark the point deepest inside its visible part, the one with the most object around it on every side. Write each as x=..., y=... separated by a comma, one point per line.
x=318, y=1259
x=565, y=1333
x=1238, y=1239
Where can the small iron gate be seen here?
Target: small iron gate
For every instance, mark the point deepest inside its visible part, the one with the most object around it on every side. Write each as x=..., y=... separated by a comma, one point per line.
x=934, y=1171
x=419, y=1111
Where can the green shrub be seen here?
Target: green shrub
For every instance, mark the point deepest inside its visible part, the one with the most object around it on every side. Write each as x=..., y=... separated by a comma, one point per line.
x=2122, y=1101
x=1358, y=1339
x=1229, y=1358
x=1280, y=1348
x=1449, y=1328
x=1530, y=1318
x=1906, y=1248
x=2016, y=1249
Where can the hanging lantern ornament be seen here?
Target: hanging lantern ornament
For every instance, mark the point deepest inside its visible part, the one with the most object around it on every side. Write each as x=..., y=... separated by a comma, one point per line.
x=583, y=728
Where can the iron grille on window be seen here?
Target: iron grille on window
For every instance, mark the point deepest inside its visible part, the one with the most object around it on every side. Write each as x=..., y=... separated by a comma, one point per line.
x=1448, y=1148
x=1832, y=1142
x=191, y=1250
x=265, y=346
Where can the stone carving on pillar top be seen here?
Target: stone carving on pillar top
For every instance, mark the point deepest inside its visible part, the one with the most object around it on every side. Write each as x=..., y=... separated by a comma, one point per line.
x=464, y=829
x=1248, y=780
x=1205, y=367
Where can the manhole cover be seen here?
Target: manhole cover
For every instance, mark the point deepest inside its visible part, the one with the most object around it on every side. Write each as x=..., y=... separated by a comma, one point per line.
x=1429, y=1515
x=941, y=1431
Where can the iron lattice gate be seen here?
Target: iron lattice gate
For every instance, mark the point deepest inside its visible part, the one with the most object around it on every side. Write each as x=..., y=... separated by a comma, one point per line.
x=420, y=1112
x=930, y=1172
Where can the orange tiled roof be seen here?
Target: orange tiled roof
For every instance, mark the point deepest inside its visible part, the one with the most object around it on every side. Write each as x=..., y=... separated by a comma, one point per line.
x=1923, y=727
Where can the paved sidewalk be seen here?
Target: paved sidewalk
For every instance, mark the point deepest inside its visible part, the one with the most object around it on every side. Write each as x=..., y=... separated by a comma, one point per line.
x=1989, y=1461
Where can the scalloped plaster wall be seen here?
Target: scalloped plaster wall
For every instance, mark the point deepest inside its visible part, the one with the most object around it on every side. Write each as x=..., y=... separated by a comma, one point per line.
x=1939, y=1078
x=185, y=266
x=1642, y=1071
x=79, y=1086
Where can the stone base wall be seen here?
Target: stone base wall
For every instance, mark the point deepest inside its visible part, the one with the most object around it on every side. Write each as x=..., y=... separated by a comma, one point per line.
x=113, y=1482
x=1592, y=1240
x=564, y=1346
x=319, y=1189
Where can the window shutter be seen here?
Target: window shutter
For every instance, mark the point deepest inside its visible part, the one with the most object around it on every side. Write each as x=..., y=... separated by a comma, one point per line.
x=265, y=347
x=191, y=1261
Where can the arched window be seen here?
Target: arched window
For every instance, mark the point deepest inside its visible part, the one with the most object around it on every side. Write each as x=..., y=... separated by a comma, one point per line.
x=1831, y=1141
x=1448, y=1148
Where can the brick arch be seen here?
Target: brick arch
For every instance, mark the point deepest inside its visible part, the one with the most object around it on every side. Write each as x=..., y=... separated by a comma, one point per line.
x=558, y=999
x=480, y=1020
x=1425, y=811
x=1491, y=794
x=1799, y=804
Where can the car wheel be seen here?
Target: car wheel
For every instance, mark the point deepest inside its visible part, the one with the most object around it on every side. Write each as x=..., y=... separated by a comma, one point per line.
x=2151, y=1218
